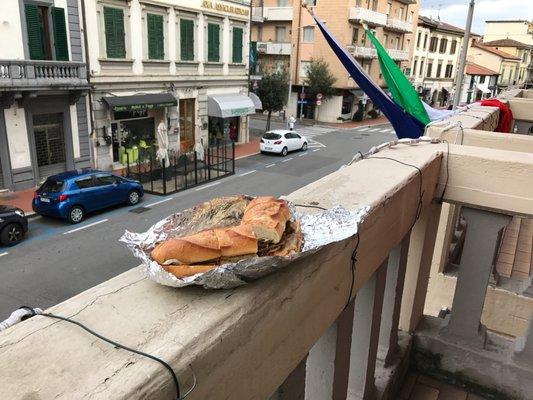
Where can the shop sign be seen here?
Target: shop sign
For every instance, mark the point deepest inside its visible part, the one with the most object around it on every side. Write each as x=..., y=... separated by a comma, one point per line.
x=237, y=112
x=319, y=102
x=225, y=8
x=137, y=107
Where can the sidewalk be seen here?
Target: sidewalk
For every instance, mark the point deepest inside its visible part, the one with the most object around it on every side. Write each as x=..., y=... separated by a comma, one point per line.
x=20, y=199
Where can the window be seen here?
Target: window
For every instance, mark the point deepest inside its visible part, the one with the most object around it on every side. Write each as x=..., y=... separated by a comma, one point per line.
x=41, y=35
x=439, y=69
x=280, y=65
x=156, y=39
x=281, y=33
x=443, y=46
x=309, y=34
x=430, y=67
x=418, y=40
x=433, y=44
x=421, y=68
x=49, y=139
x=303, y=68
x=237, y=45
x=453, y=47
x=482, y=79
x=449, y=71
x=425, y=41
x=105, y=179
x=411, y=16
x=355, y=36
x=52, y=186
x=85, y=183
x=401, y=14
x=414, y=66
x=259, y=33
x=213, y=42
x=283, y=3
x=389, y=8
x=114, y=32
x=186, y=40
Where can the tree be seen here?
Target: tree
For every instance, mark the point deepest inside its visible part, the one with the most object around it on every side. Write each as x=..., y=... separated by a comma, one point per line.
x=272, y=91
x=319, y=79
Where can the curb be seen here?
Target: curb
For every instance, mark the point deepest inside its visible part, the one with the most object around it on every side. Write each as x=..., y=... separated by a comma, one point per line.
x=248, y=155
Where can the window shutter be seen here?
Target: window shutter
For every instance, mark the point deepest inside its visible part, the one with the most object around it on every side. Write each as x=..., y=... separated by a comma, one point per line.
x=114, y=32
x=237, y=45
x=156, y=40
x=60, y=34
x=34, y=29
x=187, y=39
x=213, y=46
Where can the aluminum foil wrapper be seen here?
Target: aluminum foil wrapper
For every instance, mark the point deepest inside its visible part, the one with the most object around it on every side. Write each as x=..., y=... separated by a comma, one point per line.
x=318, y=229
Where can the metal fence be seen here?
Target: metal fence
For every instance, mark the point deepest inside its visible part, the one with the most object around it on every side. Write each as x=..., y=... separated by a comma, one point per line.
x=180, y=171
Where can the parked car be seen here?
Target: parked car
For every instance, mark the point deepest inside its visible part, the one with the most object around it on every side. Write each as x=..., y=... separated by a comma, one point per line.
x=13, y=225
x=71, y=195
x=282, y=141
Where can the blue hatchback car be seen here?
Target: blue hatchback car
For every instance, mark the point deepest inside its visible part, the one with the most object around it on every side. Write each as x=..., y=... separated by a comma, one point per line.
x=71, y=195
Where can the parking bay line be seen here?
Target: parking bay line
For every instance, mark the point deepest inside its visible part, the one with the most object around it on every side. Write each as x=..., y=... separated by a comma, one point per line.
x=85, y=226
x=304, y=154
x=248, y=173
x=207, y=186
x=316, y=150
x=158, y=202
x=270, y=165
x=287, y=160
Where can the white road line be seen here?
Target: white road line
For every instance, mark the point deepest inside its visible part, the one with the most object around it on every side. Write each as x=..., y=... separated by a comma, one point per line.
x=316, y=150
x=4, y=254
x=207, y=186
x=304, y=154
x=158, y=202
x=286, y=160
x=363, y=129
x=374, y=130
x=248, y=173
x=270, y=165
x=85, y=226
x=384, y=130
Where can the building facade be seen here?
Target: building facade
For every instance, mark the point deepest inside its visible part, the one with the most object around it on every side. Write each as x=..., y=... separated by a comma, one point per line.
x=174, y=65
x=480, y=83
x=435, y=60
x=287, y=37
x=521, y=50
x=43, y=86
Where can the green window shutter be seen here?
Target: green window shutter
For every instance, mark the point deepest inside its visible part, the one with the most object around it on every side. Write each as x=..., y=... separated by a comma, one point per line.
x=213, y=44
x=34, y=27
x=187, y=39
x=156, y=40
x=114, y=32
x=60, y=34
x=237, y=45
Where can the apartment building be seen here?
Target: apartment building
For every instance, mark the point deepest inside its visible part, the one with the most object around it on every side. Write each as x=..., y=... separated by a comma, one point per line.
x=436, y=57
x=174, y=65
x=479, y=83
x=506, y=64
x=521, y=50
x=287, y=37
x=43, y=87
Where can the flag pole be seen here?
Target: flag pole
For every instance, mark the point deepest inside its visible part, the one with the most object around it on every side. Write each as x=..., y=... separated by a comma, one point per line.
x=462, y=60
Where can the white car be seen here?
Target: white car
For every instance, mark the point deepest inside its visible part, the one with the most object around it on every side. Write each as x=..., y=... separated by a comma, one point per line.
x=282, y=141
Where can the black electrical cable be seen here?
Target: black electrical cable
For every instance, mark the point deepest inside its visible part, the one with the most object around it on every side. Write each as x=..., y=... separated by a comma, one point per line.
x=121, y=346
x=311, y=206
x=447, y=172
x=352, y=267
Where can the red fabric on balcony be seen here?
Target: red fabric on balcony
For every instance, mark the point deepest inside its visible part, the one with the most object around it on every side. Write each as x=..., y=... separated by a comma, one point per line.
x=506, y=115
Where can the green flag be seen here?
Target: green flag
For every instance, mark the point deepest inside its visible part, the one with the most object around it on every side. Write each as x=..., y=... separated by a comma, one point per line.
x=403, y=93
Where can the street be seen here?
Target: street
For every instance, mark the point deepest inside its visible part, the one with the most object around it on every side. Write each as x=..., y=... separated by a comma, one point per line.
x=58, y=260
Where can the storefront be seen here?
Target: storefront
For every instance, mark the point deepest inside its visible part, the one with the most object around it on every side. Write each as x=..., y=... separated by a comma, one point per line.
x=225, y=116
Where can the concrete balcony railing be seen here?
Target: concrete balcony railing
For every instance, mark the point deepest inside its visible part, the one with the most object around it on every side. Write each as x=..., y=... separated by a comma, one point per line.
x=398, y=55
x=257, y=14
x=363, y=52
x=274, y=48
x=370, y=17
x=278, y=13
x=343, y=323
x=399, y=25
x=32, y=74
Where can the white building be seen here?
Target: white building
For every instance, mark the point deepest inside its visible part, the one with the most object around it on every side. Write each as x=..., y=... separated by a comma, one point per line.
x=43, y=81
x=435, y=59
x=183, y=63
x=479, y=83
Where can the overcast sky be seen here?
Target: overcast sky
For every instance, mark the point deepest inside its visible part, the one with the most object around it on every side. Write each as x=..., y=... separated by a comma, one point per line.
x=454, y=11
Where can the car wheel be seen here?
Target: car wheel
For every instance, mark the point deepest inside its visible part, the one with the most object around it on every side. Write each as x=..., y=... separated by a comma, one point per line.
x=11, y=234
x=133, y=198
x=284, y=152
x=75, y=215
x=304, y=147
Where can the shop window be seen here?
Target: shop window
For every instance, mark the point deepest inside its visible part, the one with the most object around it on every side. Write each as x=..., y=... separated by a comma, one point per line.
x=114, y=32
x=41, y=35
x=237, y=45
x=187, y=39
x=213, y=42
x=156, y=37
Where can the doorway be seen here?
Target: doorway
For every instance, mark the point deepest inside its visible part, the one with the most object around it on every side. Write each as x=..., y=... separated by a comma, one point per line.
x=50, y=149
x=187, y=124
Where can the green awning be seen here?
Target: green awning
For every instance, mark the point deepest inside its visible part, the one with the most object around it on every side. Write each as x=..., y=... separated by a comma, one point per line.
x=141, y=101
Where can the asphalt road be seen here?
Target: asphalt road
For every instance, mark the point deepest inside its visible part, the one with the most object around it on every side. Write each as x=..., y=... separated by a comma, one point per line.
x=58, y=260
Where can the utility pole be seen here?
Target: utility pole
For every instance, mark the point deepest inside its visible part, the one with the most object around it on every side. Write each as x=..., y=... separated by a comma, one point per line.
x=462, y=59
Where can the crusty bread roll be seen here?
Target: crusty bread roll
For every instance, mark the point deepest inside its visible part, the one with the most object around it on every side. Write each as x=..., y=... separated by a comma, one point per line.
x=268, y=217
x=183, y=271
x=189, y=249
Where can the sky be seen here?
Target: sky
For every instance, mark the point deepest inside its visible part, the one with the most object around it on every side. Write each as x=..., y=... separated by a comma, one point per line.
x=454, y=11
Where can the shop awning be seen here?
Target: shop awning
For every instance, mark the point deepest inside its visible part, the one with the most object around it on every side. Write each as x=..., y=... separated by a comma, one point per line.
x=256, y=100
x=229, y=105
x=141, y=101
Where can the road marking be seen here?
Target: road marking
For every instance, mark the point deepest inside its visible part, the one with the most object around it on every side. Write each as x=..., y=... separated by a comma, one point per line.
x=4, y=254
x=286, y=160
x=363, y=129
x=85, y=226
x=316, y=150
x=248, y=173
x=207, y=186
x=158, y=202
x=384, y=130
x=270, y=165
x=304, y=154
x=374, y=130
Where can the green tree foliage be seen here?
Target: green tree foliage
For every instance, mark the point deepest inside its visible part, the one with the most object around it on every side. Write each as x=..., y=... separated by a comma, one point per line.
x=272, y=91
x=319, y=79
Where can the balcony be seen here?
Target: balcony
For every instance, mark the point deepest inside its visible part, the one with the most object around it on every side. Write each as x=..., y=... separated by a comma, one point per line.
x=33, y=75
x=398, y=55
x=257, y=14
x=274, y=48
x=343, y=323
x=363, y=52
x=364, y=15
x=278, y=13
x=399, y=25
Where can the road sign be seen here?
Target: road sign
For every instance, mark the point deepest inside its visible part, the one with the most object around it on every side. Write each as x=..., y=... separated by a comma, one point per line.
x=303, y=95
x=318, y=102
x=302, y=101
x=319, y=96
